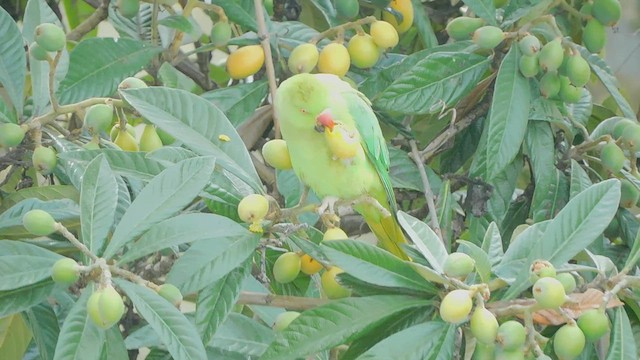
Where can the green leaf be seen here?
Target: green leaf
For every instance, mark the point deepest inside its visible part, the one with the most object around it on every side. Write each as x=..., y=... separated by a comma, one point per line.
x=65, y=211
x=43, y=322
x=336, y=323
x=508, y=115
x=198, y=124
x=113, y=345
x=180, y=23
x=125, y=163
x=242, y=335
x=423, y=24
x=206, y=261
x=634, y=253
x=163, y=197
x=483, y=9
x=238, y=14
x=405, y=175
x=430, y=340
x=13, y=61
x=622, y=344
x=21, y=270
x=15, y=337
x=174, y=329
x=98, y=202
x=79, y=337
x=16, y=300
x=483, y=263
x=328, y=11
x=240, y=101
x=173, y=78
x=515, y=258
x=425, y=240
x=97, y=66
x=492, y=243
x=373, y=265
x=216, y=301
x=44, y=193
x=579, y=179
x=439, y=80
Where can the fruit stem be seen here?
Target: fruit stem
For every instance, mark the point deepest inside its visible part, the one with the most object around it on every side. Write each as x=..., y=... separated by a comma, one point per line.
x=428, y=193
x=174, y=48
x=571, y=10
x=531, y=333
x=289, y=302
x=37, y=122
x=133, y=277
x=341, y=28
x=53, y=64
x=214, y=8
x=263, y=35
x=72, y=239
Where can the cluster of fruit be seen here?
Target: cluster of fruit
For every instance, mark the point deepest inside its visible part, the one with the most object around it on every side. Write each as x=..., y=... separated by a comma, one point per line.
x=601, y=13
x=48, y=38
x=44, y=158
x=625, y=136
x=508, y=340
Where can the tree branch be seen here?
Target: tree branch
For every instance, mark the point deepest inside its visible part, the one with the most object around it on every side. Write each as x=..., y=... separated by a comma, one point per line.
x=288, y=302
x=90, y=23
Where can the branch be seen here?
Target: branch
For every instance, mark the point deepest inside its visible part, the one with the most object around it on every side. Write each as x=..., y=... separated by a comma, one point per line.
x=288, y=302
x=263, y=35
x=428, y=193
x=101, y=13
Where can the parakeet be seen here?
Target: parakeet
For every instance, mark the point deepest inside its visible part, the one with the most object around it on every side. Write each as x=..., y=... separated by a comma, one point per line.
x=307, y=105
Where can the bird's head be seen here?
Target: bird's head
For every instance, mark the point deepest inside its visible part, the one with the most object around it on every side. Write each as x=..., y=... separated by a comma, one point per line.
x=300, y=101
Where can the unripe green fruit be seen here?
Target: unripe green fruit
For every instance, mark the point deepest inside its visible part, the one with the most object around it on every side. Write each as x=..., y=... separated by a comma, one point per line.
x=510, y=355
x=529, y=66
x=286, y=268
x=303, y=58
x=276, y=153
x=630, y=137
x=65, y=271
x=128, y=8
x=488, y=37
x=585, y=9
x=253, y=207
x=594, y=36
x=551, y=56
x=38, y=52
x=543, y=268
x=543, y=357
x=608, y=12
x=363, y=51
x=549, y=293
x=612, y=157
x=529, y=45
x=149, y=140
x=50, y=37
x=39, y=222
x=569, y=93
x=334, y=233
x=621, y=126
x=384, y=35
x=484, y=352
x=334, y=59
x=332, y=289
x=511, y=335
x=98, y=118
x=463, y=27
x=125, y=141
x=458, y=265
x=568, y=342
x=165, y=137
x=594, y=324
x=44, y=160
x=549, y=85
x=105, y=307
x=578, y=70
x=131, y=83
x=11, y=135
x=347, y=9
x=113, y=134
x=171, y=293
x=613, y=229
x=456, y=306
x=220, y=33
x=484, y=325
x=568, y=282
x=629, y=194
x=284, y=319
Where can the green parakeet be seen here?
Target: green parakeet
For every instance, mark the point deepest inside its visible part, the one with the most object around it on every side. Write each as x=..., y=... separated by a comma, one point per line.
x=320, y=116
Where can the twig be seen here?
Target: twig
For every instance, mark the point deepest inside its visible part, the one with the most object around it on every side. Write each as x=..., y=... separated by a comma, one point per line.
x=72, y=239
x=101, y=13
x=341, y=28
x=263, y=35
x=288, y=302
x=428, y=193
x=133, y=277
x=37, y=122
x=52, y=79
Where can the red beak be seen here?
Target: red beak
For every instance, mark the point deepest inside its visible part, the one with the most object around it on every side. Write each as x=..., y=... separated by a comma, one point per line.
x=325, y=119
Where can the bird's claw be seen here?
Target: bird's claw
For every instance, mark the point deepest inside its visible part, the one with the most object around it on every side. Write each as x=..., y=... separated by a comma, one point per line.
x=328, y=203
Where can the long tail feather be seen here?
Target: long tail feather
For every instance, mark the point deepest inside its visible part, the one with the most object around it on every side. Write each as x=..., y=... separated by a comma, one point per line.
x=387, y=229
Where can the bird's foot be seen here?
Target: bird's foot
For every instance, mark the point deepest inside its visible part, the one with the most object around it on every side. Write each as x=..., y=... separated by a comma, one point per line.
x=330, y=220
x=328, y=205
x=366, y=199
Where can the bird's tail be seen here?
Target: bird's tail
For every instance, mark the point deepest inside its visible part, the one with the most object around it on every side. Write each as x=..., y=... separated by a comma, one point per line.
x=386, y=229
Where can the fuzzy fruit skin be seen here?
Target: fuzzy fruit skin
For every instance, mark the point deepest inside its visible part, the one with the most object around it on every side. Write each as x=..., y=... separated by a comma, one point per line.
x=569, y=341
x=363, y=51
x=303, y=58
x=253, y=207
x=529, y=66
x=171, y=293
x=125, y=141
x=332, y=289
x=484, y=326
x=105, y=307
x=458, y=265
x=456, y=306
x=549, y=293
x=132, y=83
x=113, y=133
x=384, y=34
x=551, y=56
x=150, y=140
x=484, y=352
x=245, y=61
x=510, y=355
x=39, y=222
x=550, y=85
x=511, y=335
x=128, y=8
x=568, y=282
x=98, y=118
x=309, y=265
x=276, y=153
x=594, y=324
x=594, y=36
x=578, y=70
x=284, y=319
x=50, y=37
x=334, y=59
x=220, y=33
x=629, y=194
x=631, y=137
x=488, y=37
x=334, y=233
x=612, y=157
x=65, y=271
x=607, y=12
x=38, y=52
x=347, y=9
x=569, y=93
x=620, y=127
x=463, y=27
x=406, y=9
x=44, y=160
x=11, y=135
x=286, y=268
x=543, y=268
x=529, y=45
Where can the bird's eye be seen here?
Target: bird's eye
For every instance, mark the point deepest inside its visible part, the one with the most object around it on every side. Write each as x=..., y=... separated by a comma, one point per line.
x=304, y=111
